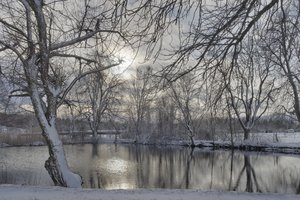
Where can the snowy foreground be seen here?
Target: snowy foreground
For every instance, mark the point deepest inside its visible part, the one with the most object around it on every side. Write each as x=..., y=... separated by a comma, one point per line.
x=16, y=192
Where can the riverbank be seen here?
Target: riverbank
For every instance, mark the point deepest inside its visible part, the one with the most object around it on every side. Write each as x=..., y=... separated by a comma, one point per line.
x=17, y=192
x=288, y=143
x=288, y=148
x=249, y=145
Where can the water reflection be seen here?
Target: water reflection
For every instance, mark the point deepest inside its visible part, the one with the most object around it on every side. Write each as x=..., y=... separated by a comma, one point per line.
x=113, y=166
x=251, y=179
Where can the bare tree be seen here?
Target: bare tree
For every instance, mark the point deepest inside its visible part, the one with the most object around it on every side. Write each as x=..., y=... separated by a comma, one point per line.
x=250, y=84
x=36, y=46
x=141, y=92
x=185, y=93
x=97, y=96
x=210, y=36
x=211, y=32
x=46, y=47
x=165, y=115
x=282, y=41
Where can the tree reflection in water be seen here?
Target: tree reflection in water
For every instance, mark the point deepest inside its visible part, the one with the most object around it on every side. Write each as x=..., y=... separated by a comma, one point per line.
x=188, y=168
x=95, y=150
x=251, y=179
x=152, y=167
x=112, y=166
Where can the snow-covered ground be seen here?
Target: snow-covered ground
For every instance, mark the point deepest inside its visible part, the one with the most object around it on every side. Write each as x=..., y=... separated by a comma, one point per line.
x=16, y=192
x=276, y=137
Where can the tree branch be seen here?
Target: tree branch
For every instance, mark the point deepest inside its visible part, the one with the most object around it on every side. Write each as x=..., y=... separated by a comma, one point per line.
x=71, y=85
x=12, y=47
x=82, y=38
x=12, y=27
x=56, y=54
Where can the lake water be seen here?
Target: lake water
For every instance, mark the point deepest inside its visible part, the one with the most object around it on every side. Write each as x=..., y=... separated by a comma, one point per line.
x=112, y=166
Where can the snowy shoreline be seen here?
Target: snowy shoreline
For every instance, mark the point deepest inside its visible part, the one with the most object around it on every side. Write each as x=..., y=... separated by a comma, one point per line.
x=271, y=147
x=18, y=192
x=286, y=143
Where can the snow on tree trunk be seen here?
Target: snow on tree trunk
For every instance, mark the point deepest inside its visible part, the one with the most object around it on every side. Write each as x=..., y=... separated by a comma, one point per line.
x=56, y=164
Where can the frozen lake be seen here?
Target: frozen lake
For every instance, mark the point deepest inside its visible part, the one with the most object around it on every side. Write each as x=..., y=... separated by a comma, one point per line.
x=110, y=166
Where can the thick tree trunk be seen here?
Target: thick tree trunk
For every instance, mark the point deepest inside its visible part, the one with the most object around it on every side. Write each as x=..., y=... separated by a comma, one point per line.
x=95, y=136
x=56, y=165
x=94, y=128
x=95, y=133
x=246, y=134
x=295, y=95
